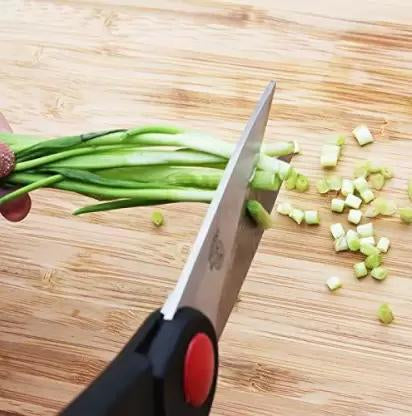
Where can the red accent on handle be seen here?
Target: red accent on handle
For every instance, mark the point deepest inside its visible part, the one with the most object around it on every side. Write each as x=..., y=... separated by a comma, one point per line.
x=199, y=369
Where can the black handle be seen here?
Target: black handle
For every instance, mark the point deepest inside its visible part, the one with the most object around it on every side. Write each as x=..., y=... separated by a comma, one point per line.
x=147, y=377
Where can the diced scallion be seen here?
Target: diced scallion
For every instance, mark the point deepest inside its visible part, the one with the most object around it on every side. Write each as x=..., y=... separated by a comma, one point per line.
x=377, y=181
x=352, y=239
x=259, y=214
x=381, y=206
x=302, y=183
x=290, y=182
x=284, y=208
x=334, y=182
x=353, y=201
x=365, y=230
x=341, y=244
x=362, y=135
x=337, y=205
x=379, y=273
x=368, y=249
x=367, y=195
x=406, y=214
x=368, y=240
x=322, y=186
x=333, y=283
x=386, y=172
x=385, y=314
x=312, y=217
x=383, y=244
x=361, y=168
x=373, y=261
x=157, y=218
x=347, y=187
x=329, y=155
x=355, y=216
x=360, y=269
x=337, y=230
x=297, y=215
x=360, y=184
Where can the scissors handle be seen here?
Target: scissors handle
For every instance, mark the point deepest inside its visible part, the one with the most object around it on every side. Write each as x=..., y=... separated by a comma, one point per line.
x=168, y=368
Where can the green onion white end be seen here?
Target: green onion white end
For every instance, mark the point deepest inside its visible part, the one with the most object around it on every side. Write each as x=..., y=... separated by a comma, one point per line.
x=368, y=240
x=337, y=230
x=337, y=205
x=362, y=135
x=347, y=187
x=383, y=244
x=341, y=244
x=329, y=155
x=312, y=217
x=385, y=314
x=365, y=230
x=367, y=195
x=360, y=269
x=284, y=208
x=379, y=273
x=333, y=283
x=297, y=215
x=355, y=216
x=353, y=201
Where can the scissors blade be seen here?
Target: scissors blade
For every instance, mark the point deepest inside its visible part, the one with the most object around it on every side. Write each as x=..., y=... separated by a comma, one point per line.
x=227, y=241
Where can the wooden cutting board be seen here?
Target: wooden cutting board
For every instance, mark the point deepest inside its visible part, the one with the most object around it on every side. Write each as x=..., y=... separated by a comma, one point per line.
x=72, y=290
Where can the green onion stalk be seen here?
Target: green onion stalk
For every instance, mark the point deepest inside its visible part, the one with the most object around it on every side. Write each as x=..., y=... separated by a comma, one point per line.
x=147, y=165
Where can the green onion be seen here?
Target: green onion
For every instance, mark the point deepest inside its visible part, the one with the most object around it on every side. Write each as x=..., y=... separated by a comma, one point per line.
x=353, y=201
x=302, y=183
x=368, y=249
x=355, y=216
x=362, y=135
x=312, y=217
x=281, y=148
x=329, y=155
x=385, y=314
x=341, y=244
x=337, y=230
x=290, y=182
x=379, y=273
x=284, y=208
x=259, y=214
x=333, y=283
x=297, y=215
x=383, y=244
x=352, y=239
x=347, y=187
x=337, y=205
x=406, y=214
x=365, y=230
x=373, y=261
x=334, y=182
x=360, y=269
x=360, y=184
x=377, y=181
x=367, y=195
x=322, y=186
x=361, y=169
x=386, y=172
x=368, y=240
x=382, y=206
x=157, y=218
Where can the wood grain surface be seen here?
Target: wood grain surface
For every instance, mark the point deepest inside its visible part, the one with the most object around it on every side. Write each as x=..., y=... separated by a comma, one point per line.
x=72, y=290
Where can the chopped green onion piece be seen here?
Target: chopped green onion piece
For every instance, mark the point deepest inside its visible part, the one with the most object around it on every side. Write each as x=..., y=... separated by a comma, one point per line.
x=383, y=244
x=385, y=314
x=347, y=187
x=373, y=261
x=384, y=206
x=290, y=182
x=368, y=249
x=406, y=214
x=333, y=283
x=337, y=230
x=355, y=216
x=341, y=244
x=360, y=269
x=361, y=168
x=371, y=212
x=367, y=195
x=353, y=201
x=302, y=183
x=352, y=239
x=322, y=186
x=334, y=182
x=377, y=181
x=387, y=172
x=284, y=208
x=157, y=218
x=280, y=148
x=337, y=205
x=365, y=230
x=259, y=214
x=329, y=155
x=410, y=189
x=312, y=217
x=362, y=135
x=297, y=215
x=379, y=273
x=360, y=184
x=368, y=240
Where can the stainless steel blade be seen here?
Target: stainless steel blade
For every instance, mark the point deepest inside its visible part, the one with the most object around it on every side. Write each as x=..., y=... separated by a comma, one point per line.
x=214, y=273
